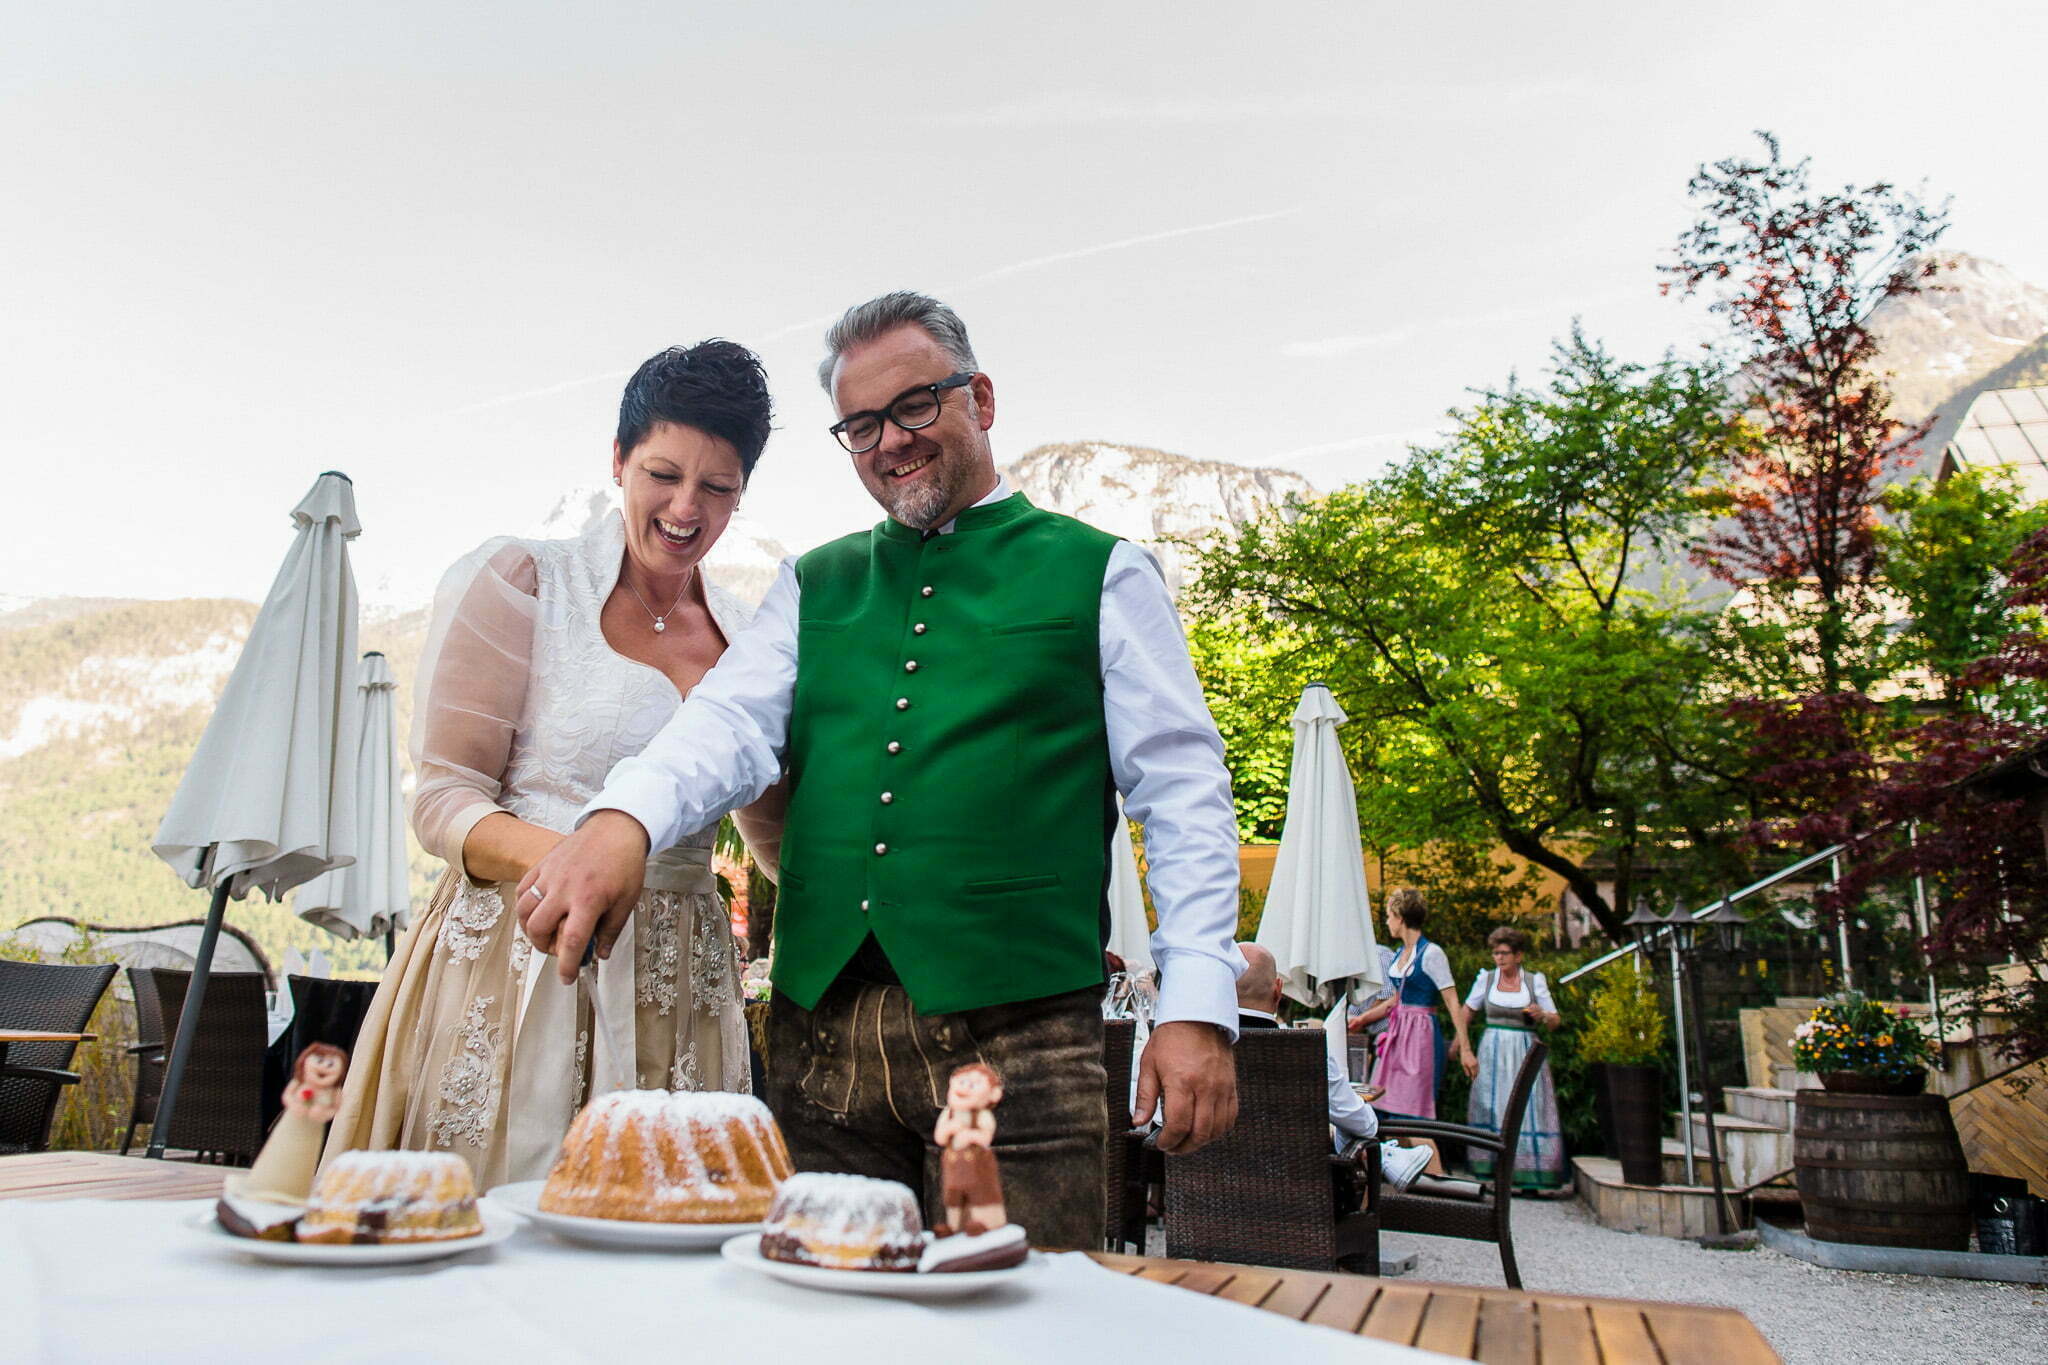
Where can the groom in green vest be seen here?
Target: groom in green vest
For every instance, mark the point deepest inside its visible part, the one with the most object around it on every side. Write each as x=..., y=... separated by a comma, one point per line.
x=957, y=697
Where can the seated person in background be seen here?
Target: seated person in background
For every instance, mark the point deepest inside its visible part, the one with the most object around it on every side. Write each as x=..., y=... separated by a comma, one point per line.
x=1258, y=1000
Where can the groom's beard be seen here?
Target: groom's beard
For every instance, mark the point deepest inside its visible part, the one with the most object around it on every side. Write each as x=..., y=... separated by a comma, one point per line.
x=923, y=504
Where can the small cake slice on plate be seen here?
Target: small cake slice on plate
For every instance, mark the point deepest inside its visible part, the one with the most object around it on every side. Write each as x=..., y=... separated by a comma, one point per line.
x=844, y=1222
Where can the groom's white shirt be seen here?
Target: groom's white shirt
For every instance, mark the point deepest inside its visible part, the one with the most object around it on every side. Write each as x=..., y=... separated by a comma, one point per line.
x=724, y=747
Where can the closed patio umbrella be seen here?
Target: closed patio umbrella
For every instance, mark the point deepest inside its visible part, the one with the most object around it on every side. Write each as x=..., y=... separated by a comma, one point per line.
x=1317, y=923
x=268, y=801
x=369, y=897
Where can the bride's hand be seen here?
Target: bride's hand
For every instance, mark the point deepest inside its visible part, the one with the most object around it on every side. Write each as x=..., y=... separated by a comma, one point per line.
x=584, y=889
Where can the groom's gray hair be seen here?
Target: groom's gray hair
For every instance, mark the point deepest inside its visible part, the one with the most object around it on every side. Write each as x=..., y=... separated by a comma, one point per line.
x=865, y=322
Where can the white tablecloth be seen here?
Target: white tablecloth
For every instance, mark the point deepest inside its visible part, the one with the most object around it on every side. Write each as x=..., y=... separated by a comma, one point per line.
x=95, y=1280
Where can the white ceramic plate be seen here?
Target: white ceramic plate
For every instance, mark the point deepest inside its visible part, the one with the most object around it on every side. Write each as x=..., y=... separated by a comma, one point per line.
x=499, y=1223
x=746, y=1251
x=524, y=1199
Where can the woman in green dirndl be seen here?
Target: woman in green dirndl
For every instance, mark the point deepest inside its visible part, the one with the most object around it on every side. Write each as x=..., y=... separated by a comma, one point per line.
x=1514, y=1003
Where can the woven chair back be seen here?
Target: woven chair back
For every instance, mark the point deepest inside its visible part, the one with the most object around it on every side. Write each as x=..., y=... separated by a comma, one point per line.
x=328, y=1011
x=220, y=1101
x=44, y=997
x=149, y=1028
x=1118, y=1035
x=1261, y=1194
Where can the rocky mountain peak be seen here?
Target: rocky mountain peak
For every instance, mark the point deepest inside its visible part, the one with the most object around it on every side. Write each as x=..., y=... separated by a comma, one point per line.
x=1150, y=495
x=1974, y=316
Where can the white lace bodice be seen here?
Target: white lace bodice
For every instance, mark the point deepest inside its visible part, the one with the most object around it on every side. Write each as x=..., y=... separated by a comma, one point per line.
x=588, y=706
x=527, y=706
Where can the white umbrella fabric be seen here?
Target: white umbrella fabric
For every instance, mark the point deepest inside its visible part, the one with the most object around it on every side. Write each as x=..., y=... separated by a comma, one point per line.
x=268, y=800
x=1130, y=937
x=1317, y=922
x=369, y=898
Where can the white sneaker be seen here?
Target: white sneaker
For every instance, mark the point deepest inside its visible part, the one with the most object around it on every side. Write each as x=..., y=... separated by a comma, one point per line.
x=1399, y=1166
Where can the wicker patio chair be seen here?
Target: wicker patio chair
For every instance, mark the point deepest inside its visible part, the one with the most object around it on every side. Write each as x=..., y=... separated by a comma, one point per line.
x=1478, y=1211
x=44, y=997
x=220, y=1101
x=1263, y=1193
x=148, y=1051
x=325, y=1010
x=1118, y=1035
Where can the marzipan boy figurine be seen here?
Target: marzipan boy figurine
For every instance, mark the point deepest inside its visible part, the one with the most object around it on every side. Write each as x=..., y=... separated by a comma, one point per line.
x=970, y=1189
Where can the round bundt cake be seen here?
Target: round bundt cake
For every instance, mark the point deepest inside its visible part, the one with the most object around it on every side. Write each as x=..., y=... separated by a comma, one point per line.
x=392, y=1197
x=659, y=1156
x=844, y=1222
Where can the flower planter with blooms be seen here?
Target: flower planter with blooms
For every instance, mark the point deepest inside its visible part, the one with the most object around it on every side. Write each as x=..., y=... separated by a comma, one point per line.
x=1857, y=1045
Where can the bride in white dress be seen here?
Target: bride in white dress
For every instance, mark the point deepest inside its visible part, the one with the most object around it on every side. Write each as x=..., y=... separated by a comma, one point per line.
x=548, y=662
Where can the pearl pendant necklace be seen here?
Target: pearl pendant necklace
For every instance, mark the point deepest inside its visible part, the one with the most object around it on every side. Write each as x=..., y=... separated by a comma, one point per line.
x=661, y=621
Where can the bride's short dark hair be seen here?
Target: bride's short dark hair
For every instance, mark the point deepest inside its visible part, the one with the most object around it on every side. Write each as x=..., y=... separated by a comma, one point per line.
x=716, y=386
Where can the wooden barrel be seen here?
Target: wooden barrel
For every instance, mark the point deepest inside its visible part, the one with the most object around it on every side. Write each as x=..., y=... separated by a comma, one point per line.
x=1882, y=1170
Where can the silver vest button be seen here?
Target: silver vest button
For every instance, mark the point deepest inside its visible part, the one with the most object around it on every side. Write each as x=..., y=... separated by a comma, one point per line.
x=910, y=666
x=888, y=798
x=881, y=849
x=917, y=629
x=895, y=747
x=863, y=907
x=925, y=591
x=903, y=703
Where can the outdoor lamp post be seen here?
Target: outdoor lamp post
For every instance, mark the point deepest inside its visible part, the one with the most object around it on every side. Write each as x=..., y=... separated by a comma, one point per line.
x=1728, y=925
x=1725, y=923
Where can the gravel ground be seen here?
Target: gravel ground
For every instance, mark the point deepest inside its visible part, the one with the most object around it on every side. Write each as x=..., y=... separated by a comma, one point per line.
x=1811, y=1316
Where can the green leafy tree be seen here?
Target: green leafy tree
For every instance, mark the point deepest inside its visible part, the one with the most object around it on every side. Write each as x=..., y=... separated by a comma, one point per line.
x=1492, y=615
x=1944, y=555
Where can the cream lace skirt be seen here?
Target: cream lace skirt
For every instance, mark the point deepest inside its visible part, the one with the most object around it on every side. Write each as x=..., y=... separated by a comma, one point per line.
x=473, y=1047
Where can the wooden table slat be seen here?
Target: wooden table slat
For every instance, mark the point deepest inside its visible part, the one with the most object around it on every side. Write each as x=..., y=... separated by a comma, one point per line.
x=1205, y=1279
x=1450, y=1326
x=1250, y=1287
x=1695, y=1338
x=1507, y=1333
x=1396, y=1315
x=1623, y=1336
x=1297, y=1296
x=1344, y=1305
x=1564, y=1331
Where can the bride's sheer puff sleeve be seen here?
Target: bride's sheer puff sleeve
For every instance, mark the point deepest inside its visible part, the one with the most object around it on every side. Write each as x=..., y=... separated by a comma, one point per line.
x=473, y=672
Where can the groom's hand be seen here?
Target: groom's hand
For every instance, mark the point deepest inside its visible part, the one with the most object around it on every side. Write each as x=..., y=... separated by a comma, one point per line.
x=584, y=888
x=1187, y=1068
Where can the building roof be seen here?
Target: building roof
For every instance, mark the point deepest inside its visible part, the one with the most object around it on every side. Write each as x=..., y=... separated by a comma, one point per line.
x=2005, y=429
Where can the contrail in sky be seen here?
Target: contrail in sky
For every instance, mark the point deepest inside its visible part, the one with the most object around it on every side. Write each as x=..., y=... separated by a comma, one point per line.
x=1017, y=267
x=1000, y=272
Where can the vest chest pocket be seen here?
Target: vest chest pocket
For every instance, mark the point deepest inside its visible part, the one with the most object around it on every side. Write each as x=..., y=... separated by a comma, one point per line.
x=1009, y=886
x=1039, y=627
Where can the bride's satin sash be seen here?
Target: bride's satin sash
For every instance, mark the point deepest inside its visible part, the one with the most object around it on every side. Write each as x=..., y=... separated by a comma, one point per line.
x=544, y=1044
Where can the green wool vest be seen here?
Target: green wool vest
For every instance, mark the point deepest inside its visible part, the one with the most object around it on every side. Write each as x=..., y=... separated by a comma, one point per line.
x=949, y=769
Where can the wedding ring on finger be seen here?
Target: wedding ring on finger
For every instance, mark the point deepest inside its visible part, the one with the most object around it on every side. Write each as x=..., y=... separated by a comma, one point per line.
x=537, y=894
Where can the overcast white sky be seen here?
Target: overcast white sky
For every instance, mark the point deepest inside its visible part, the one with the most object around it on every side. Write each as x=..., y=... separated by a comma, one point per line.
x=425, y=242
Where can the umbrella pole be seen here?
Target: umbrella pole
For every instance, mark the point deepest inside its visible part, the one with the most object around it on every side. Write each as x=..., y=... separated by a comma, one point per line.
x=188, y=1020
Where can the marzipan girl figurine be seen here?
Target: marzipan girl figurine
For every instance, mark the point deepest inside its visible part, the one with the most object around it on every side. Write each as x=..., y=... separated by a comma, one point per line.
x=285, y=1167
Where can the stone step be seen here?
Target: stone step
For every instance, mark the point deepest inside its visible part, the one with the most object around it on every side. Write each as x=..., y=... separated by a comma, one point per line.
x=1664, y=1211
x=1764, y=1104
x=1674, y=1164
x=1751, y=1152
x=1792, y=1078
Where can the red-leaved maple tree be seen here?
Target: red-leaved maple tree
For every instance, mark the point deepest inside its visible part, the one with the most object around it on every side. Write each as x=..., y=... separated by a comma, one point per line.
x=1949, y=800
x=1796, y=272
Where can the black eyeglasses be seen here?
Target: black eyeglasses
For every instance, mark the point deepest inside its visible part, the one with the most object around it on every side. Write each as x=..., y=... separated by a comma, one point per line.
x=912, y=410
